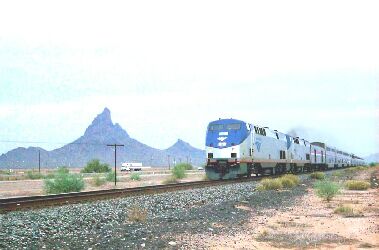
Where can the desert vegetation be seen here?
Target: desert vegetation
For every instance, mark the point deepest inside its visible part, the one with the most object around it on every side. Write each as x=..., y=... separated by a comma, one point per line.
x=317, y=175
x=135, y=176
x=357, y=185
x=137, y=214
x=286, y=181
x=95, y=166
x=64, y=183
x=98, y=181
x=327, y=189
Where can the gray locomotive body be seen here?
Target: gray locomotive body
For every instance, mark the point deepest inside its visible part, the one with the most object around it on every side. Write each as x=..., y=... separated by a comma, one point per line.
x=235, y=149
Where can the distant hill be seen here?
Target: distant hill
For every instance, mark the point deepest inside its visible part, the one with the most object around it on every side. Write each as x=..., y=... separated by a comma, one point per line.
x=92, y=145
x=372, y=158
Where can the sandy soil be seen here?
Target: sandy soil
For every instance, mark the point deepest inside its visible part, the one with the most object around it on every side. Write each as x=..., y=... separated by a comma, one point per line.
x=312, y=224
x=35, y=187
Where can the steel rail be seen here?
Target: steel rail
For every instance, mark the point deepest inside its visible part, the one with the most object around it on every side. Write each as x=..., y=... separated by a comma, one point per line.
x=39, y=201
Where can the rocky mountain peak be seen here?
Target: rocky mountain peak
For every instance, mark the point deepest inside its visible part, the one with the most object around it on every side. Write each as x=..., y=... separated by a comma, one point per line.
x=103, y=125
x=180, y=145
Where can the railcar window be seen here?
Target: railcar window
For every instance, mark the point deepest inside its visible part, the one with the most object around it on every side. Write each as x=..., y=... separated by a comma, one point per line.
x=296, y=140
x=282, y=154
x=233, y=126
x=307, y=157
x=216, y=127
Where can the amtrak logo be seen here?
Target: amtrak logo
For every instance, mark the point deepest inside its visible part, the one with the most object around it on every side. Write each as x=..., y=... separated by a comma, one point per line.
x=258, y=143
x=222, y=138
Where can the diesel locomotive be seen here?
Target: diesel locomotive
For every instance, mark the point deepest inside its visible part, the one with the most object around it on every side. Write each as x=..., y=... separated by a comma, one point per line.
x=236, y=149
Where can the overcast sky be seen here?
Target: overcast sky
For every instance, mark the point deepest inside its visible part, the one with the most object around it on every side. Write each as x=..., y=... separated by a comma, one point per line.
x=167, y=68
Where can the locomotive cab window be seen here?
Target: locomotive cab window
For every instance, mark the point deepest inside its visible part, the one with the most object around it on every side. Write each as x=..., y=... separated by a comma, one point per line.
x=216, y=127
x=233, y=126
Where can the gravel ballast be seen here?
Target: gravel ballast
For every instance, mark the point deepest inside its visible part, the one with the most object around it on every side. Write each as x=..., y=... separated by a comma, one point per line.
x=105, y=224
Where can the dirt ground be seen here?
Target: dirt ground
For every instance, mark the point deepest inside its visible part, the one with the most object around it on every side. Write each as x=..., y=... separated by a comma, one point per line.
x=35, y=187
x=312, y=224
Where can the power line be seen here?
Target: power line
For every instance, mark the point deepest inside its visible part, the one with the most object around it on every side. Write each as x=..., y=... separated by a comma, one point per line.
x=46, y=142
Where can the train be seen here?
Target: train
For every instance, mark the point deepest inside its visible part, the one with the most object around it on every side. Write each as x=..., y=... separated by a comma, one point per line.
x=236, y=149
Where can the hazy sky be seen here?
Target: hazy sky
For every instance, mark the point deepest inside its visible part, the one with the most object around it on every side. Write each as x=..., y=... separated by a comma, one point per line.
x=167, y=68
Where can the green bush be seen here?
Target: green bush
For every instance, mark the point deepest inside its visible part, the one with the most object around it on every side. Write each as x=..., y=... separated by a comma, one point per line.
x=135, y=176
x=110, y=176
x=317, y=175
x=33, y=175
x=357, y=185
x=98, y=181
x=186, y=166
x=326, y=189
x=6, y=172
x=372, y=164
x=63, y=170
x=49, y=176
x=179, y=171
x=95, y=166
x=64, y=183
x=270, y=184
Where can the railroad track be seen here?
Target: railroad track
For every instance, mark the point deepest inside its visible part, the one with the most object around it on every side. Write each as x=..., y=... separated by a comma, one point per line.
x=40, y=201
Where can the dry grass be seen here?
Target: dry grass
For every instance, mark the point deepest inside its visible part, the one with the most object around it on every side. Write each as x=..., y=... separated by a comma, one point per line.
x=357, y=185
x=286, y=181
x=270, y=184
x=137, y=214
x=317, y=175
x=292, y=224
x=301, y=240
x=170, y=180
x=348, y=211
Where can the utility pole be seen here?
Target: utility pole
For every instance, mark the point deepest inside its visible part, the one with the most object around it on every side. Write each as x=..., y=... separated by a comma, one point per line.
x=115, y=157
x=168, y=159
x=39, y=161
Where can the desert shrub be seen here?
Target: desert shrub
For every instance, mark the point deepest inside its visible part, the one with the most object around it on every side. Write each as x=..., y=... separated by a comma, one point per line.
x=98, y=181
x=179, y=171
x=337, y=173
x=270, y=184
x=357, y=185
x=186, y=166
x=6, y=172
x=372, y=164
x=135, y=176
x=137, y=214
x=170, y=180
x=63, y=170
x=49, y=175
x=317, y=175
x=347, y=211
x=360, y=168
x=326, y=189
x=110, y=176
x=289, y=180
x=95, y=166
x=33, y=175
x=64, y=183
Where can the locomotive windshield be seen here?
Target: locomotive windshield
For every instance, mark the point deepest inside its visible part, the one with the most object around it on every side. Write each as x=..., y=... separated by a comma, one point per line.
x=231, y=126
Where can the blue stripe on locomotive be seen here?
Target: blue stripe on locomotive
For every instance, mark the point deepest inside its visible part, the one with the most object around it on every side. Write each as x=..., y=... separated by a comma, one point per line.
x=234, y=136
